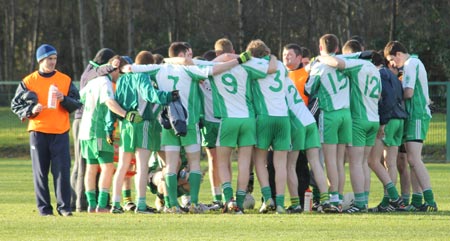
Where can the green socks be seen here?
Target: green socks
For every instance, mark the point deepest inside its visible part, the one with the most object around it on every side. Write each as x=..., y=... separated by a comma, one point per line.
x=417, y=199
x=91, y=199
x=240, y=197
x=126, y=196
x=392, y=191
x=385, y=201
x=141, y=205
x=217, y=198
x=279, y=200
x=103, y=198
x=360, y=200
x=405, y=197
x=195, y=177
x=428, y=196
x=334, y=198
x=266, y=192
x=316, y=194
x=172, y=186
x=366, y=198
x=227, y=191
x=295, y=201
x=324, y=197
x=166, y=202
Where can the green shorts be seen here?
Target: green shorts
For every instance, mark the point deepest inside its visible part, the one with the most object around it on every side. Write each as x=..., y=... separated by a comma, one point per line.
x=364, y=132
x=393, y=132
x=237, y=132
x=312, y=139
x=97, y=151
x=335, y=127
x=209, y=133
x=273, y=131
x=135, y=135
x=416, y=129
x=304, y=138
x=168, y=137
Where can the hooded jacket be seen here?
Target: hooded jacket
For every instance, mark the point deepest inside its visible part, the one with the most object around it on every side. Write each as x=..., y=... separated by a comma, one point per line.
x=390, y=105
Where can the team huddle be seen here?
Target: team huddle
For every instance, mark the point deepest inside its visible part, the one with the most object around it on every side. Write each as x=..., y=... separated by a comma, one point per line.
x=161, y=114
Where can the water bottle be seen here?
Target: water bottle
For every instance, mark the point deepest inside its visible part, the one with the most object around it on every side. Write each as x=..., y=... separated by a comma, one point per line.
x=51, y=101
x=308, y=201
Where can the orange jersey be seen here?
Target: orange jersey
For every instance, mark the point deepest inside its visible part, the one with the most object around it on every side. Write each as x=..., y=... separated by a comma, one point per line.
x=299, y=77
x=51, y=121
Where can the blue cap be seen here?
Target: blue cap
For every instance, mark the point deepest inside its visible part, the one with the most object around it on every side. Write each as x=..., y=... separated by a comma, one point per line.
x=44, y=51
x=127, y=58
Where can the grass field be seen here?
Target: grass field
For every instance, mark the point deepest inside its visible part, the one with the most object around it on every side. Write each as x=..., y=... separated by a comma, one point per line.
x=19, y=219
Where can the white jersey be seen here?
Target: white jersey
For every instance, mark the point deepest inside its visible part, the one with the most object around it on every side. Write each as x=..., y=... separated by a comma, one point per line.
x=179, y=77
x=415, y=77
x=93, y=96
x=232, y=92
x=297, y=107
x=269, y=93
x=208, y=108
x=331, y=87
x=365, y=88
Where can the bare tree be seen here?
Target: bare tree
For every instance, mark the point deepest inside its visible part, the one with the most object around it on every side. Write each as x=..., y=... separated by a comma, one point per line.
x=10, y=16
x=311, y=23
x=100, y=6
x=130, y=27
x=347, y=10
x=36, y=20
x=393, y=19
x=280, y=29
x=85, y=53
x=72, y=45
x=240, y=25
x=171, y=7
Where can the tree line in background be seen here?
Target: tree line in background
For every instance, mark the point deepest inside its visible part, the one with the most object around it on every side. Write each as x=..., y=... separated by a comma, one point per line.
x=79, y=28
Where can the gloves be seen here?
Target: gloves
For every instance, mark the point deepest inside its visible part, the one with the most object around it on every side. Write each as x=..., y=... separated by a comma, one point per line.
x=110, y=138
x=312, y=62
x=244, y=57
x=164, y=118
x=175, y=95
x=133, y=117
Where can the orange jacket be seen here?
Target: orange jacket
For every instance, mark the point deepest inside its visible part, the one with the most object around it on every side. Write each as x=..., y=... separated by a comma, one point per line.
x=51, y=121
x=299, y=77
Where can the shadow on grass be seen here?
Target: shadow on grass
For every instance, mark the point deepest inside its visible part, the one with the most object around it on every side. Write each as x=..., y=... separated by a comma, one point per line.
x=16, y=151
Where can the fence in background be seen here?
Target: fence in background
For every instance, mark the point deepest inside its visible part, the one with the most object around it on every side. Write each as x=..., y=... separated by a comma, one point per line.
x=436, y=147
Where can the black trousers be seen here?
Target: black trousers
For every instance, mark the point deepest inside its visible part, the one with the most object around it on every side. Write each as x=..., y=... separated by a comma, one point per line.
x=301, y=169
x=50, y=152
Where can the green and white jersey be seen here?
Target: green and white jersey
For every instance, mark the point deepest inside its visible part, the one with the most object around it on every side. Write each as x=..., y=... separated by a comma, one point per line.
x=269, y=93
x=415, y=77
x=208, y=110
x=183, y=78
x=232, y=91
x=297, y=107
x=93, y=96
x=135, y=91
x=206, y=90
x=330, y=85
x=365, y=88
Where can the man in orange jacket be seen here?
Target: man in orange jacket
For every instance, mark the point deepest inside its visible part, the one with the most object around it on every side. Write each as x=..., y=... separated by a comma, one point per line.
x=49, y=129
